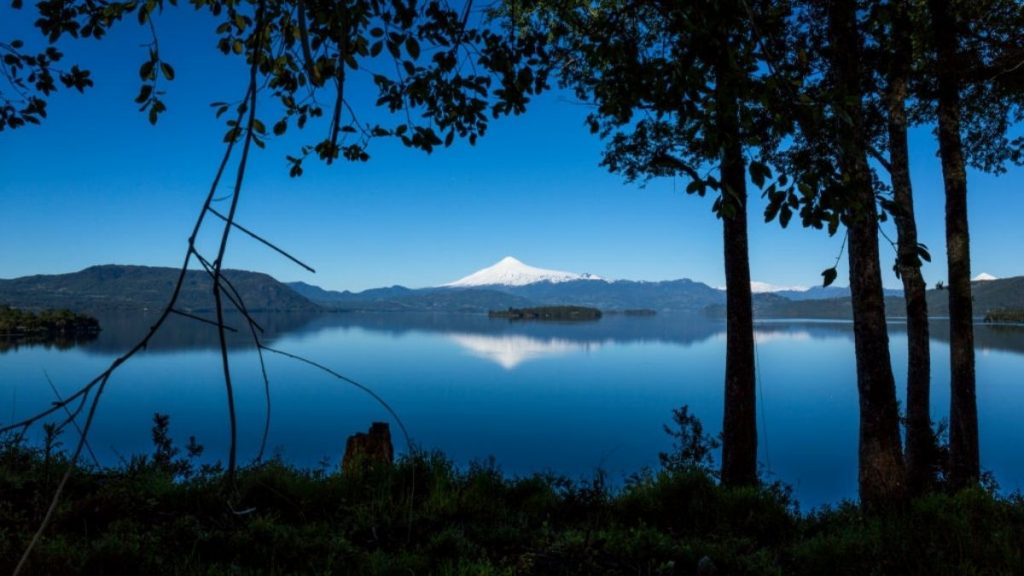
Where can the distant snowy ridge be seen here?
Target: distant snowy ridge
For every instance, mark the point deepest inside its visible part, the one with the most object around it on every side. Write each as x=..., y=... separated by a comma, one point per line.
x=511, y=272
x=764, y=287
x=984, y=277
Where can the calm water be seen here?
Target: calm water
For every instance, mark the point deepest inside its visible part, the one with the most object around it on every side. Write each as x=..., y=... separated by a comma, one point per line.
x=568, y=398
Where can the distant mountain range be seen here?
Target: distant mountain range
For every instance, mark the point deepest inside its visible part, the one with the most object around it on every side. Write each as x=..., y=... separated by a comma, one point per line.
x=511, y=283
x=507, y=284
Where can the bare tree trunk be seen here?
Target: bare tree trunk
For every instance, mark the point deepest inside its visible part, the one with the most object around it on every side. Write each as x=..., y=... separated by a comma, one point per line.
x=920, y=440
x=881, y=471
x=739, y=429
x=965, y=467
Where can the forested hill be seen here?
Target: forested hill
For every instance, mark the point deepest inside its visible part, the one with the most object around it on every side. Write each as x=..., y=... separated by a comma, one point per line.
x=116, y=287
x=988, y=295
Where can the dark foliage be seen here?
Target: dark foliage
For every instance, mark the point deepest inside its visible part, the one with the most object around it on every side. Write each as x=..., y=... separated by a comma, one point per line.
x=150, y=516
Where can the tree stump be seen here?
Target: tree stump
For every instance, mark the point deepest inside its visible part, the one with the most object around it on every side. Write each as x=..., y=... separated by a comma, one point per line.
x=364, y=450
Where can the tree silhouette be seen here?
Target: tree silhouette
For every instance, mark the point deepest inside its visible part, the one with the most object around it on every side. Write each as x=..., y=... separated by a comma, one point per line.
x=677, y=93
x=975, y=91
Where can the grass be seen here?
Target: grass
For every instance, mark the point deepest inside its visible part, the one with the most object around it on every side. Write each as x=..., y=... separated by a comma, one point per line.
x=425, y=515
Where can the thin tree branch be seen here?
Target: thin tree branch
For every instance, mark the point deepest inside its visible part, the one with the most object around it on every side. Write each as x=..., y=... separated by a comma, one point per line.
x=200, y=319
x=374, y=395
x=73, y=421
x=264, y=241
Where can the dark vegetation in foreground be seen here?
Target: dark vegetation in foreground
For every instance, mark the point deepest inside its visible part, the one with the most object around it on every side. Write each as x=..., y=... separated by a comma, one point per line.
x=158, y=514
x=548, y=313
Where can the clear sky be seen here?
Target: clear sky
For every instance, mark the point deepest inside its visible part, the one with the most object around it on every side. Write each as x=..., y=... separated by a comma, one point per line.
x=97, y=184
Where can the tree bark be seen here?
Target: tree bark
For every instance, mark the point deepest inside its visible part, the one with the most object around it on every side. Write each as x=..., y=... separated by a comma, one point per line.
x=739, y=428
x=920, y=439
x=881, y=471
x=963, y=412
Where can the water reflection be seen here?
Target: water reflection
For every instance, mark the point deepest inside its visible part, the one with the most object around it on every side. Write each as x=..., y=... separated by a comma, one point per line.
x=483, y=336
x=509, y=351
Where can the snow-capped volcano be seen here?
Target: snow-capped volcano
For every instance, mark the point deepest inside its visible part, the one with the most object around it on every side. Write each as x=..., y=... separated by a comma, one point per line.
x=983, y=277
x=511, y=272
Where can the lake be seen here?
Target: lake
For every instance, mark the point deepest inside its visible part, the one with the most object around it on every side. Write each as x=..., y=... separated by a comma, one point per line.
x=569, y=398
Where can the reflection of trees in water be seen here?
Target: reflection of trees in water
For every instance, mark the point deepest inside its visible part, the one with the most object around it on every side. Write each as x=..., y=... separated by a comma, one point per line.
x=986, y=336
x=683, y=329
x=13, y=343
x=123, y=329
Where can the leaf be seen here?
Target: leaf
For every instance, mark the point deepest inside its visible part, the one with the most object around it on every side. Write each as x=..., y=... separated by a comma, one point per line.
x=833, y=224
x=167, y=70
x=785, y=215
x=412, y=47
x=759, y=173
x=829, y=275
x=923, y=253
x=144, y=93
x=772, y=209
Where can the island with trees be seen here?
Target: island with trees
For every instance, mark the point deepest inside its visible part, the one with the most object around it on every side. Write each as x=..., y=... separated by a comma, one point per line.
x=1005, y=316
x=548, y=313
x=46, y=324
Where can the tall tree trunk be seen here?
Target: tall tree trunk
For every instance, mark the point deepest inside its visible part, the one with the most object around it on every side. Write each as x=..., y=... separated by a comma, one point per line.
x=739, y=428
x=881, y=471
x=963, y=411
x=920, y=440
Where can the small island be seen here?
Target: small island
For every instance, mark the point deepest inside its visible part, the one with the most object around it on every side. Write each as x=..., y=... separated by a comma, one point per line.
x=1005, y=316
x=548, y=313
x=46, y=324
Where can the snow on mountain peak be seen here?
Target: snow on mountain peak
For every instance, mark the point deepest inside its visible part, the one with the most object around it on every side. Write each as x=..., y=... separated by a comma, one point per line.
x=983, y=277
x=763, y=287
x=509, y=271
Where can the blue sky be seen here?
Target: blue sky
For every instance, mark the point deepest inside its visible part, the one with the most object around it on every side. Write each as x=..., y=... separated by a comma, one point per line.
x=97, y=184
